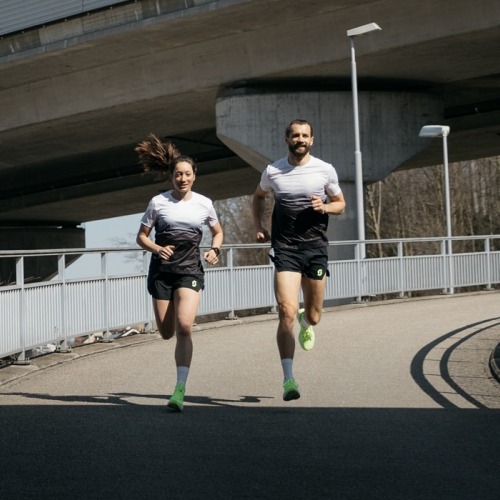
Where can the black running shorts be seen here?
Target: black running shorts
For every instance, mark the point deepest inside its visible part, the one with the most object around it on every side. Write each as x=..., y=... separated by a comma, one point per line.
x=311, y=263
x=162, y=286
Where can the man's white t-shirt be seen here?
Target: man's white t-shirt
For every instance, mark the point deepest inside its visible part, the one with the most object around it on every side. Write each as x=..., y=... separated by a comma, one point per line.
x=294, y=222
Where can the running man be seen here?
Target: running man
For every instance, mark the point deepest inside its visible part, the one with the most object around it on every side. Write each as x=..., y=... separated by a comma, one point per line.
x=306, y=191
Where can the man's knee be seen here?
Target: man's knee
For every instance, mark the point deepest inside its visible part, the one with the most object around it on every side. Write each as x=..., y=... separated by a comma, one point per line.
x=287, y=311
x=314, y=316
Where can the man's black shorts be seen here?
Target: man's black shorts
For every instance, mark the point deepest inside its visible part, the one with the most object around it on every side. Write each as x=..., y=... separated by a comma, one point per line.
x=311, y=262
x=162, y=286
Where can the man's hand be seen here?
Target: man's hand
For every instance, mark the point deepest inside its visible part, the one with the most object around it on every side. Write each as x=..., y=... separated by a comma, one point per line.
x=317, y=204
x=262, y=235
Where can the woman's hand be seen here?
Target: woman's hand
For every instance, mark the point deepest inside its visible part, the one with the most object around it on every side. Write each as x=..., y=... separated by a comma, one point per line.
x=166, y=252
x=211, y=257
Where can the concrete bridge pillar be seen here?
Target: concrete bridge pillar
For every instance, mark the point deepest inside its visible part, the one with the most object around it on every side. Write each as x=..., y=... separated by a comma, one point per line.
x=253, y=125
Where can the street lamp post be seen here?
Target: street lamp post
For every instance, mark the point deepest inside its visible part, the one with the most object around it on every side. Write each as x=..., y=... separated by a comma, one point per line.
x=443, y=131
x=353, y=33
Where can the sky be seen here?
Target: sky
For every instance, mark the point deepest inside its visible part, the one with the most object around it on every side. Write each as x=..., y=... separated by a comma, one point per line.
x=104, y=233
x=118, y=231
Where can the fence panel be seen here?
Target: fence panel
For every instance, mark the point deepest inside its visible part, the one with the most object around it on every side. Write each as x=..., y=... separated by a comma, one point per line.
x=425, y=273
x=85, y=307
x=10, y=312
x=342, y=283
x=42, y=315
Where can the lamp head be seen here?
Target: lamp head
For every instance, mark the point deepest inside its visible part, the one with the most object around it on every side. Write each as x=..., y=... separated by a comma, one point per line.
x=434, y=131
x=362, y=30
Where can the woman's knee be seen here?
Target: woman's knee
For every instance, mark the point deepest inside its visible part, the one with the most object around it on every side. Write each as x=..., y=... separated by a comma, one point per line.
x=184, y=329
x=166, y=332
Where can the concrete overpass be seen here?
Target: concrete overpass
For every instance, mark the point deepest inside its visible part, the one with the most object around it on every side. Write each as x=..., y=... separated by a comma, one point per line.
x=222, y=78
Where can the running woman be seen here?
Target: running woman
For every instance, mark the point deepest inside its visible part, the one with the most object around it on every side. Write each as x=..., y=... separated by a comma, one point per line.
x=176, y=274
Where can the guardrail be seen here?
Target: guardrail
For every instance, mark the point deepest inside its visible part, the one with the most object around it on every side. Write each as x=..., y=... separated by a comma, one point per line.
x=105, y=298
x=17, y=15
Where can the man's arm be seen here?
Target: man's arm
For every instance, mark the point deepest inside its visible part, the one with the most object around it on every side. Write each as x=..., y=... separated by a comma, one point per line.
x=258, y=207
x=335, y=205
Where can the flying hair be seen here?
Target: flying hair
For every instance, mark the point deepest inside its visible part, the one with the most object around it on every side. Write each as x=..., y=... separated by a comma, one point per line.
x=155, y=155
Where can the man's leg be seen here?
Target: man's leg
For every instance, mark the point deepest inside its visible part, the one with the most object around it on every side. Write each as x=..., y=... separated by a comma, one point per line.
x=286, y=287
x=314, y=293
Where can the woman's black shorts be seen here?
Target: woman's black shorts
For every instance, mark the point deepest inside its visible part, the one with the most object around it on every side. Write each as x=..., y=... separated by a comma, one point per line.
x=162, y=286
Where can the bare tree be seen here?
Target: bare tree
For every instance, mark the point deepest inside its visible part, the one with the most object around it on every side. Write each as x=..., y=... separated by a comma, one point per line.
x=410, y=203
x=235, y=215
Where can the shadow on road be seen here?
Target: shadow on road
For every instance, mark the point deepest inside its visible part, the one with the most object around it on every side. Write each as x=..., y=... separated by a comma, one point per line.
x=111, y=448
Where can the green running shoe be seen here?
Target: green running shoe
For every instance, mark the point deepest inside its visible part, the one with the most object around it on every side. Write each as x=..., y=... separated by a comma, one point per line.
x=306, y=335
x=176, y=401
x=291, y=389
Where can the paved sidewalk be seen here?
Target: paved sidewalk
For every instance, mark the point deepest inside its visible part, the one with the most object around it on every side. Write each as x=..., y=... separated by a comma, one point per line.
x=398, y=401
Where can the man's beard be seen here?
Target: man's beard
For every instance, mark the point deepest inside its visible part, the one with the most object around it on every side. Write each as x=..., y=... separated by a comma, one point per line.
x=293, y=147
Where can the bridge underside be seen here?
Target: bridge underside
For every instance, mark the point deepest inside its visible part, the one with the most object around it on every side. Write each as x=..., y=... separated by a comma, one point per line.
x=78, y=95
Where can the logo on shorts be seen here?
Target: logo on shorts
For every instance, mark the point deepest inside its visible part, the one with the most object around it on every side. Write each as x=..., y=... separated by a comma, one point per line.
x=319, y=272
x=194, y=283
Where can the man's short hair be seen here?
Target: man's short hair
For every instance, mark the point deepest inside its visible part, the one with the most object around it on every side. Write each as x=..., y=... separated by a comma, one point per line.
x=298, y=122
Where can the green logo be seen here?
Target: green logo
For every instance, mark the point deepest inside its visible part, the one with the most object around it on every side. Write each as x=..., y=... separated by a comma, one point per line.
x=194, y=283
x=319, y=272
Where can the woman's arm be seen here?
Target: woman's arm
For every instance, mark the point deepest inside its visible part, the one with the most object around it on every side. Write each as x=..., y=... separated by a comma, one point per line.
x=212, y=256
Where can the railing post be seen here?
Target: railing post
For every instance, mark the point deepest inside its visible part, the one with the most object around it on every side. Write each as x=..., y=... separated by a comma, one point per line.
x=358, y=250
x=274, y=307
x=447, y=252
x=61, y=271
x=444, y=255
x=451, y=274
x=21, y=359
x=402, y=274
x=148, y=327
x=488, y=262
x=104, y=272
x=232, y=278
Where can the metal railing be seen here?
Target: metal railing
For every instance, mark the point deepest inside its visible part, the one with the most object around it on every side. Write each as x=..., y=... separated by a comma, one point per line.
x=17, y=15
x=58, y=310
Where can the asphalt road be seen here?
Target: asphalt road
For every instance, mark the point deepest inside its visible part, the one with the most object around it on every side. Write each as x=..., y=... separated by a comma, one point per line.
x=398, y=402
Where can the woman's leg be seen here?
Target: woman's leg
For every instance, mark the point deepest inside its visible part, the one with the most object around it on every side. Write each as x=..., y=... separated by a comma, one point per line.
x=165, y=317
x=186, y=307
x=186, y=303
